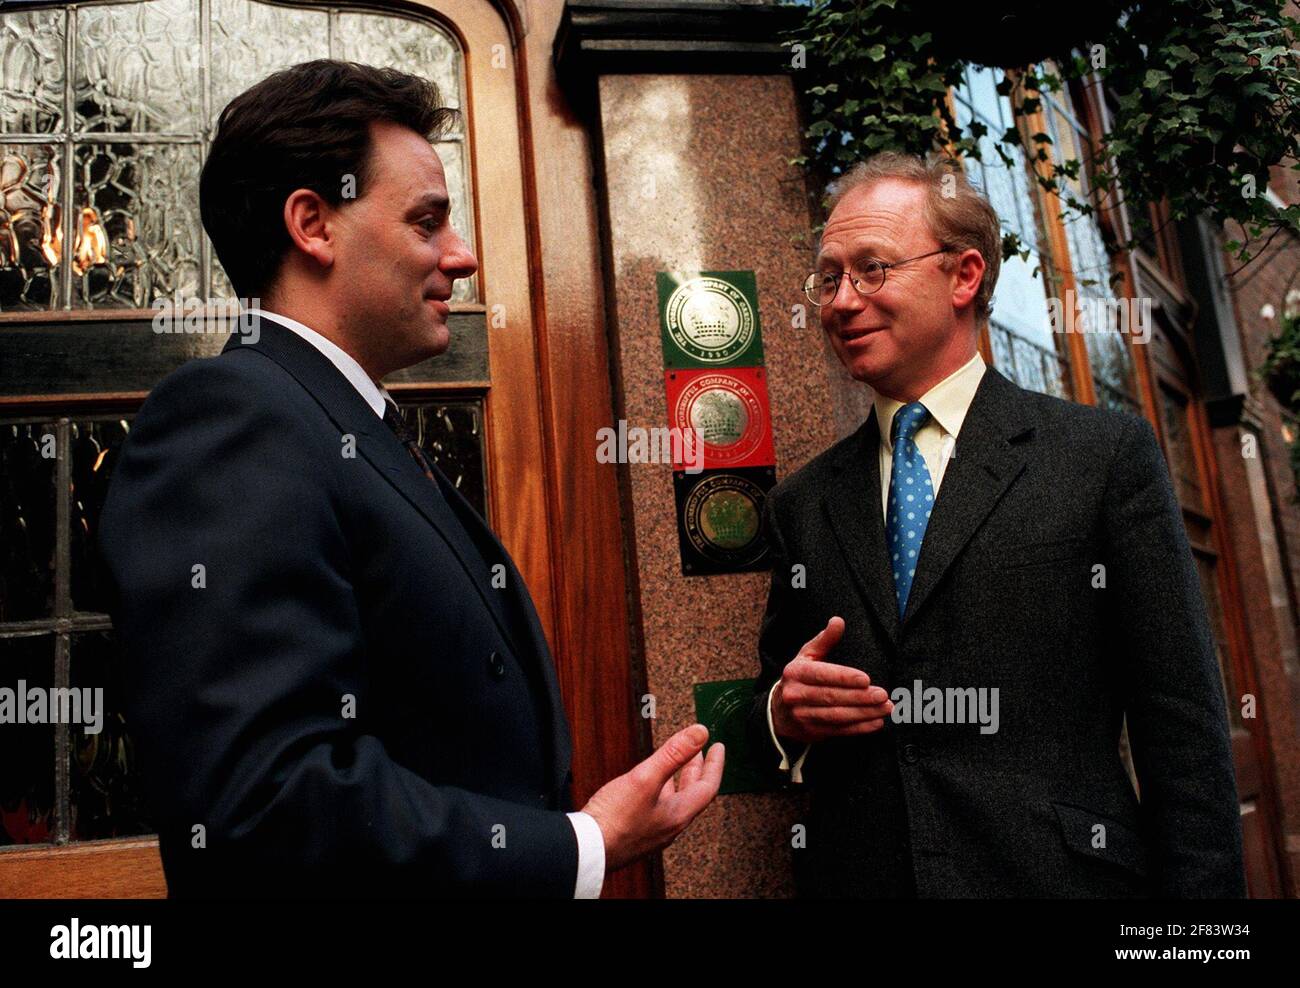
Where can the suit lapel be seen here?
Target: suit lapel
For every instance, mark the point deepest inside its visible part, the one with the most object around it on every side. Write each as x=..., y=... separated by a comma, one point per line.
x=379, y=447
x=982, y=466
x=852, y=505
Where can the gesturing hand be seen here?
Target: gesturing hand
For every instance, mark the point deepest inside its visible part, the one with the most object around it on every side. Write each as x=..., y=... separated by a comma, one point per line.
x=816, y=699
x=644, y=810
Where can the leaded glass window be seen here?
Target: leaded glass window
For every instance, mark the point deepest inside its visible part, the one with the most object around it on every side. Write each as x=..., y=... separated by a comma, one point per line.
x=106, y=113
x=1020, y=331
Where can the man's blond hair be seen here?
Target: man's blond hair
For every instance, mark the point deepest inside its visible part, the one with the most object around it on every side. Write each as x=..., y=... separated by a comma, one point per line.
x=956, y=212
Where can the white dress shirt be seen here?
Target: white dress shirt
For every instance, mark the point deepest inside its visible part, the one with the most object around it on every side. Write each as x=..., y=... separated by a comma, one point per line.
x=948, y=402
x=591, y=842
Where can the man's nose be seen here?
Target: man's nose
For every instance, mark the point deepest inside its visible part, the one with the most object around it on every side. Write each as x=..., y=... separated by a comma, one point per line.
x=459, y=261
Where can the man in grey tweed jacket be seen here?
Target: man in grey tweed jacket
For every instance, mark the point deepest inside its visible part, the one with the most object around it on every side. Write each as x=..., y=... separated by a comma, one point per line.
x=972, y=592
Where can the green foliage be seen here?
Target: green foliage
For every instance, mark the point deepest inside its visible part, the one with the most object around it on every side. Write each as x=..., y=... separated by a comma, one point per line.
x=1207, y=100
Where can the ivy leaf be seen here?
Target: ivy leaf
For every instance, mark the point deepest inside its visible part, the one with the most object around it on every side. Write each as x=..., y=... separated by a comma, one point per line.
x=1154, y=78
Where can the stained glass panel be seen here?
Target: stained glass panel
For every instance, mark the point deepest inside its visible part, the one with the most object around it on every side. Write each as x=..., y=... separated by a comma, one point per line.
x=137, y=68
x=27, y=795
x=28, y=475
x=252, y=40
x=138, y=228
x=32, y=71
x=452, y=434
x=96, y=446
x=31, y=226
x=106, y=797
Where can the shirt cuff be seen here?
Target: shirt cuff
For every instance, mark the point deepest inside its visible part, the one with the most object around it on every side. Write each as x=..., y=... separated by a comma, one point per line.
x=591, y=856
x=796, y=771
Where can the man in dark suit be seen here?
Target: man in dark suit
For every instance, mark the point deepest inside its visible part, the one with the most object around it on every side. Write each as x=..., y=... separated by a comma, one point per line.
x=329, y=691
x=962, y=615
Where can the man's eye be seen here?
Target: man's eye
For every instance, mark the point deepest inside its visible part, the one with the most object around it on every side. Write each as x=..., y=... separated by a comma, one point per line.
x=429, y=223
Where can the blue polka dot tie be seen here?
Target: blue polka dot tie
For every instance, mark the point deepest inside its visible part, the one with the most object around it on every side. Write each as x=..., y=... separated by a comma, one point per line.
x=911, y=496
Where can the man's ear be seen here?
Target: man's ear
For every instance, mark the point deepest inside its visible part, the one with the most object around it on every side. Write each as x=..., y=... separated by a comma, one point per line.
x=967, y=276
x=310, y=222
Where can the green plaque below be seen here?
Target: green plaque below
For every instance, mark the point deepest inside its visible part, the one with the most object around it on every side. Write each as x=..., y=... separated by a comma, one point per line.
x=722, y=707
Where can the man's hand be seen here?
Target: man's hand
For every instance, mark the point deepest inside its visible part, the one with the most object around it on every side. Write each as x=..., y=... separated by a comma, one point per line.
x=644, y=810
x=816, y=700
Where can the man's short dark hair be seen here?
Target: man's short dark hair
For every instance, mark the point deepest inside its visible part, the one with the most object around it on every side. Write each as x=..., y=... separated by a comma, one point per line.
x=306, y=127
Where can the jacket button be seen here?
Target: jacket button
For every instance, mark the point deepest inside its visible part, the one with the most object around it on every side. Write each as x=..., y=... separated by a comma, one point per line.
x=496, y=665
x=911, y=753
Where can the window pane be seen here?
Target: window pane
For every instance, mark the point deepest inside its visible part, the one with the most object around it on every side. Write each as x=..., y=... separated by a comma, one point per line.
x=452, y=154
x=31, y=71
x=31, y=226
x=96, y=446
x=401, y=43
x=27, y=521
x=1020, y=331
x=252, y=40
x=138, y=232
x=1108, y=352
x=27, y=766
x=106, y=796
x=137, y=67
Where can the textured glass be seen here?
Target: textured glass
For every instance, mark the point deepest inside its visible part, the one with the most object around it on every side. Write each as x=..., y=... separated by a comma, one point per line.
x=27, y=763
x=32, y=72
x=401, y=43
x=96, y=446
x=452, y=155
x=28, y=478
x=137, y=67
x=252, y=40
x=452, y=434
x=138, y=229
x=106, y=796
x=31, y=226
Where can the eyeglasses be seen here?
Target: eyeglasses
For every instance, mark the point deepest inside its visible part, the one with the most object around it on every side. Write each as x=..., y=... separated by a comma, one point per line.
x=867, y=276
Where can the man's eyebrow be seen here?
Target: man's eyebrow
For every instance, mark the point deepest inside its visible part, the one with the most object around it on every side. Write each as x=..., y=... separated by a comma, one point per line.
x=431, y=202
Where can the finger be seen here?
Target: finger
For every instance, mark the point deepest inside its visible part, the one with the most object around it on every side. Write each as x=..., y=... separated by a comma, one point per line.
x=820, y=673
x=839, y=715
x=692, y=801
x=691, y=772
x=824, y=641
x=801, y=695
x=848, y=730
x=672, y=755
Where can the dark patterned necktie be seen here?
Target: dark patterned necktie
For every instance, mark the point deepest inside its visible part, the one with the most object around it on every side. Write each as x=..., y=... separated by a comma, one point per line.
x=393, y=419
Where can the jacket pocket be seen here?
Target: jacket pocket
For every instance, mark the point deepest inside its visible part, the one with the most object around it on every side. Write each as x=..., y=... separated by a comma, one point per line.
x=1121, y=844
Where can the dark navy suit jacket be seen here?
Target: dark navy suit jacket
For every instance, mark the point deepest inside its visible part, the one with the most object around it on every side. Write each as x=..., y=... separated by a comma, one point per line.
x=339, y=701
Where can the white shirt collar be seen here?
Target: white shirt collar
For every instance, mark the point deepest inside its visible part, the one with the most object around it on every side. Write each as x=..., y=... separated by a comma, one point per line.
x=336, y=355
x=948, y=401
